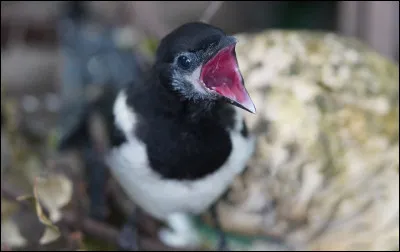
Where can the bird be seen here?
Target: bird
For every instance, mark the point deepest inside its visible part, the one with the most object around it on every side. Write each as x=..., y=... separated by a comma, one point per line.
x=178, y=138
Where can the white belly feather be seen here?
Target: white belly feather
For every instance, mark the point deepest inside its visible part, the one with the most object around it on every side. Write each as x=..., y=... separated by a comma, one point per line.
x=162, y=197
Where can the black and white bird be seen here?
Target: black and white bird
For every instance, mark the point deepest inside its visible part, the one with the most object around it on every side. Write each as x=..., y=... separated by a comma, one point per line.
x=179, y=138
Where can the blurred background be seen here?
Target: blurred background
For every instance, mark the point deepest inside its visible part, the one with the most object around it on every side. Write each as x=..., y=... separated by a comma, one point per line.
x=33, y=35
x=52, y=50
x=30, y=44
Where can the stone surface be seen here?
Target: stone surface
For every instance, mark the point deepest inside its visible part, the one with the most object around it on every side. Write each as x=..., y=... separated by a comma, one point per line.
x=325, y=175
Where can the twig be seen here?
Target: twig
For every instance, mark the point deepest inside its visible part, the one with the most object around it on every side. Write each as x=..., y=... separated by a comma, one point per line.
x=210, y=11
x=109, y=234
x=98, y=230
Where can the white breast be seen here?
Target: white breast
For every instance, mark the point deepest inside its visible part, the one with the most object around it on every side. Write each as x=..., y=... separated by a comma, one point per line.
x=161, y=197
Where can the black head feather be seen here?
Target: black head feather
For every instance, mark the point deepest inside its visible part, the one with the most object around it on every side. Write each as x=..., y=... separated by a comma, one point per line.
x=190, y=37
x=181, y=54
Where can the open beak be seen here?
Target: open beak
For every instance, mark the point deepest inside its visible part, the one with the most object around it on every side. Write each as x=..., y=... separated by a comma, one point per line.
x=221, y=74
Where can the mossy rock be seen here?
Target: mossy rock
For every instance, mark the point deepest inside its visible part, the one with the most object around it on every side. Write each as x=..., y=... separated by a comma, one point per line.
x=325, y=174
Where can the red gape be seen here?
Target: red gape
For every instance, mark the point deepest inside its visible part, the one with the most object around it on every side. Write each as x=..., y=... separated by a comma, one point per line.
x=221, y=74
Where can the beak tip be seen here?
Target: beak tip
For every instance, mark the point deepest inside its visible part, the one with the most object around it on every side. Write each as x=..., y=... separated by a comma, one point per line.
x=248, y=106
x=252, y=109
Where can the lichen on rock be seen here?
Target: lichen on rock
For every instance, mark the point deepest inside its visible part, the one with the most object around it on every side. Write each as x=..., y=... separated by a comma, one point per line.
x=325, y=174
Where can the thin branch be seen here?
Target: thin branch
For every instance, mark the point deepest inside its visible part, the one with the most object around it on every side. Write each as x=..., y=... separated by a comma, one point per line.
x=210, y=11
x=109, y=234
x=92, y=228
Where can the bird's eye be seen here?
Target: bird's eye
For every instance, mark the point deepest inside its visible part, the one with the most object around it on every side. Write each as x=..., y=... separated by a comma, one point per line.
x=184, y=62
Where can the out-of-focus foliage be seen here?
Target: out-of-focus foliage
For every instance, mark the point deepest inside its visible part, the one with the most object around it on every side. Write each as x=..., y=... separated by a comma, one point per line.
x=29, y=215
x=53, y=192
x=148, y=47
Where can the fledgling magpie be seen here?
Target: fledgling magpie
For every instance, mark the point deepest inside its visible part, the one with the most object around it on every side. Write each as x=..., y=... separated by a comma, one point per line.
x=182, y=142
x=178, y=138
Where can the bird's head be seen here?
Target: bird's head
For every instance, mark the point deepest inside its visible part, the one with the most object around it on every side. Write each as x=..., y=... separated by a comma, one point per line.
x=198, y=61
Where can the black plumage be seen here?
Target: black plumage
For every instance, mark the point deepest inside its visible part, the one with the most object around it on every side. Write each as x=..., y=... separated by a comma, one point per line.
x=176, y=140
x=184, y=138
